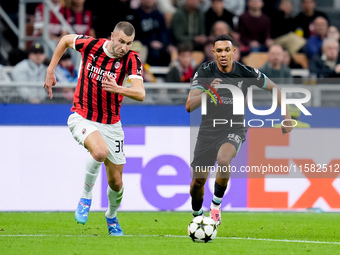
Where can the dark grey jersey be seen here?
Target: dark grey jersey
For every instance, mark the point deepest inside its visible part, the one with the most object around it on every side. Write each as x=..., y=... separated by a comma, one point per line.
x=220, y=105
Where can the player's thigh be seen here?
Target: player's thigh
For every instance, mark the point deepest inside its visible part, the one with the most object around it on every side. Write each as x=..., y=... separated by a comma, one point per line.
x=113, y=135
x=228, y=148
x=85, y=132
x=204, y=155
x=226, y=153
x=96, y=144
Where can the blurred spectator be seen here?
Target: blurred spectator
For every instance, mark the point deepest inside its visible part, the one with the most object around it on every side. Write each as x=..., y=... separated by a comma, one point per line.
x=237, y=53
x=183, y=67
x=64, y=73
x=32, y=69
x=142, y=51
x=188, y=24
x=104, y=21
x=236, y=7
x=304, y=19
x=208, y=52
x=270, y=7
x=216, y=13
x=254, y=28
x=16, y=55
x=289, y=61
x=328, y=65
x=155, y=34
x=274, y=67
x=55, y=28
x=333, y=32
x=282, y=28
x=219, y=28
x=167, y=8
x=320, y=31
x=282, y=21
x=79, y=18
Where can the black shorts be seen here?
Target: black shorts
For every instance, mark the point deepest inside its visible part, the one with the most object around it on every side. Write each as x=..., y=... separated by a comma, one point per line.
x=205, y=153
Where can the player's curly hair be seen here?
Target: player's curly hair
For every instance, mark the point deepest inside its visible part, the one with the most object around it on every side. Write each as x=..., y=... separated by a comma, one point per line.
x=223, y=37
x=126, y=27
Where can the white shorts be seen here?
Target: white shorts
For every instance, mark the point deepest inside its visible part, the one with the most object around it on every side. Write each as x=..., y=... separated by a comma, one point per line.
x=113, y=135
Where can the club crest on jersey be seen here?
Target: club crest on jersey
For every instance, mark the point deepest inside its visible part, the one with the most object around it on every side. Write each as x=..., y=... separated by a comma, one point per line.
x=117, y=64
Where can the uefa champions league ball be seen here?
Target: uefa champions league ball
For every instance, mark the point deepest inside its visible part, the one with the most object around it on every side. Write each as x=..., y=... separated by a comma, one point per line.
x=202, y=229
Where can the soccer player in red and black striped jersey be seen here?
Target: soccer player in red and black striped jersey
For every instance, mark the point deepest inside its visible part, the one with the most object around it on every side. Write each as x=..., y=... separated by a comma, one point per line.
x=95, y=123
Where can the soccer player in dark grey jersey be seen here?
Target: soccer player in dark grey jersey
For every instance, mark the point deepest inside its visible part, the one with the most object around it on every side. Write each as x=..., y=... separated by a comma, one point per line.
x=221, y=142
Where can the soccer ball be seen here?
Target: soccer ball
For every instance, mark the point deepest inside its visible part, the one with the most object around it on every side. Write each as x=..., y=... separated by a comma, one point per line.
x=202, y=229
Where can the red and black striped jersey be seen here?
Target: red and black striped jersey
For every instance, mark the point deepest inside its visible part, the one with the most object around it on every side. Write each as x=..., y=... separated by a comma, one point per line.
x=90, y=100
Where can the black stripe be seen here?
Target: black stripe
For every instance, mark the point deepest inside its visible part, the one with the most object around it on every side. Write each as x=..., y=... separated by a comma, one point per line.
x=79, y=46
x=139, y=64
x=90, y=83
x=120, y=79
x=99, y=91
x=108, y=96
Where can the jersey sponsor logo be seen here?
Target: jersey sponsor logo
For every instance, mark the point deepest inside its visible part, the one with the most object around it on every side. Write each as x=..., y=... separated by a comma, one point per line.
x=96, y=73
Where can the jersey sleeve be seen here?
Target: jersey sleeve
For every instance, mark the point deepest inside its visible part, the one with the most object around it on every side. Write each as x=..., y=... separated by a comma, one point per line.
x=134, y=67
x=199, y=80
x=257, y=78
x=81, y=41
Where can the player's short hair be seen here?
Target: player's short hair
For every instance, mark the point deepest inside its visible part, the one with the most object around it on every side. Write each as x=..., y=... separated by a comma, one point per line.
x=126, y=27
x=223, y=37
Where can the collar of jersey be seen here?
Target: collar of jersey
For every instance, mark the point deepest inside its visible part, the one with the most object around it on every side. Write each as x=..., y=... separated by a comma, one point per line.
x=106, y=51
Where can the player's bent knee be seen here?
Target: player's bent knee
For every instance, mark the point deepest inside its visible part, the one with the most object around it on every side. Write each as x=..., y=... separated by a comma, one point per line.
x=198, y=182
x=224, y=161
x=100, y=154
x=115, y=184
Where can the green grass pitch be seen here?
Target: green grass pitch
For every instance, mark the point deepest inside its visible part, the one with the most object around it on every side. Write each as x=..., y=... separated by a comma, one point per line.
x=166, y=233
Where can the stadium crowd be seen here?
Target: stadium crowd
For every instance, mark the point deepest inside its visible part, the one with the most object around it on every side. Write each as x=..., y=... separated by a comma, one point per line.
x=178, y=34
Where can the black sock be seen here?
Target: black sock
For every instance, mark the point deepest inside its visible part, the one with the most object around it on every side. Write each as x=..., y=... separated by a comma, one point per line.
x=196, y=205
x=218, y=194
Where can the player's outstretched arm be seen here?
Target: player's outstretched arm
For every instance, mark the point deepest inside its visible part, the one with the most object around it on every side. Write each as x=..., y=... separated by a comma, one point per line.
x=65, y=42
x=288, y=123
x=136, y=92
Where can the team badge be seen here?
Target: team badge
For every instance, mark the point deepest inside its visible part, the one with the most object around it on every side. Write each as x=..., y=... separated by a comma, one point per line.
x=83, y=131
x=117, y=65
